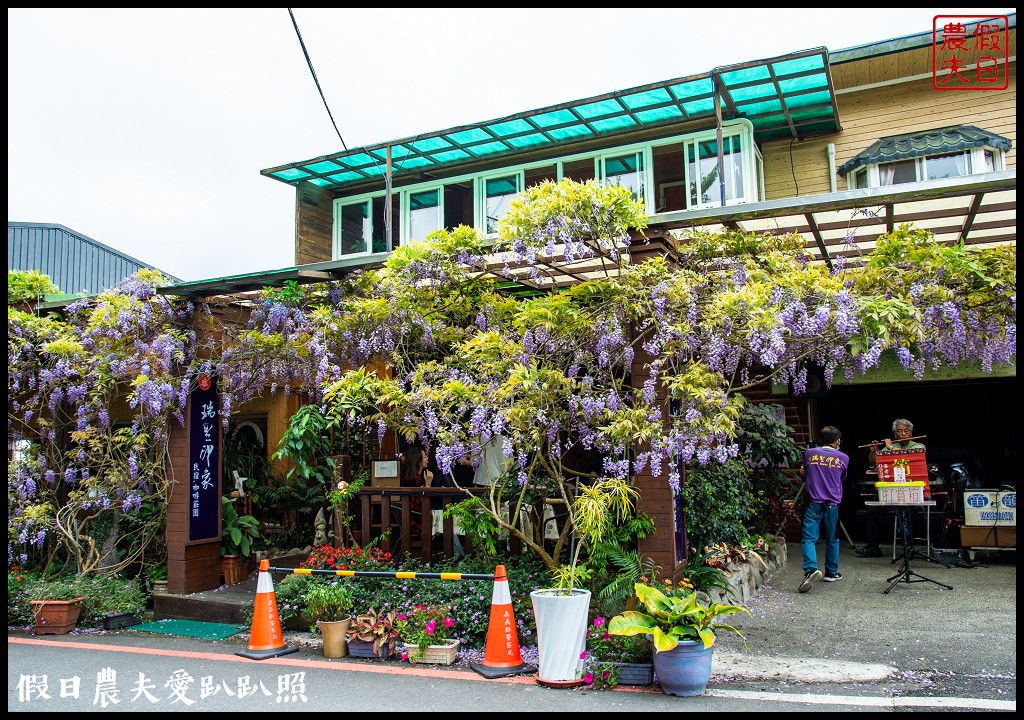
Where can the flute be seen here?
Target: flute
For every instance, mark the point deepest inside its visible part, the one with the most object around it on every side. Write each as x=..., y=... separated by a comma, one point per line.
x=876, y=443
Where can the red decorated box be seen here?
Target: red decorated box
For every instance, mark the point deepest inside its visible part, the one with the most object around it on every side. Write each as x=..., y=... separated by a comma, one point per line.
x=903, y=466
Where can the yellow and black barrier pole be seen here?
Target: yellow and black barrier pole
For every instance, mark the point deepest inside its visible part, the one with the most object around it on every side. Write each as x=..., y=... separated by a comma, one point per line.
x=394, y=575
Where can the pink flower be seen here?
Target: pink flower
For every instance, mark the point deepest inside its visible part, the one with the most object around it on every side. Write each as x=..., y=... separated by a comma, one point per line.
x=588, y=678
x=448, y=622
x=583, y=655
x=430, y=627
x=598, y=621
x=607, y=637
x=402, y=617
x=405, y=656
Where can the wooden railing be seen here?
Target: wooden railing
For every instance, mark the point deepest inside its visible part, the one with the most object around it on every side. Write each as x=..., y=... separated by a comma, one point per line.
x=381, y=510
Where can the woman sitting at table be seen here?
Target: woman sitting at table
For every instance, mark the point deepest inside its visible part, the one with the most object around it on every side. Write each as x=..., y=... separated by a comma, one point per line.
x=416, y=474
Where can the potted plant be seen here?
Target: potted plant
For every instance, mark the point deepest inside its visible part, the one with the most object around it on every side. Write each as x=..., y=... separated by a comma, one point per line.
x=329, y=606
x=158, y=579
x=236, y=536
x=681, y=626
x=56, y=610
x=561, y=612
x=427, y=634
x=617, y=659
x=373, y=634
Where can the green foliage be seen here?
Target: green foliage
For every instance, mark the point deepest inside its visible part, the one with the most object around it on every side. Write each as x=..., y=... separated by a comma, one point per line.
x=329, y=602
x=668, y=619
x=104, y=595
x=717, y=499
x=703, y=577
x=237, y=531
x=306, y=444
x=595, y=512
x=27, y=286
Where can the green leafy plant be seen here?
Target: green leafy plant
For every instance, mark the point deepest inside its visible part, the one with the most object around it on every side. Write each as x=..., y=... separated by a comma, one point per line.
x=670, y=619
x=379, y=628
x=328, y=602
x=237, y=531
x=594, y=512
x=718, y=499
x=702, y=577
x=425, y=626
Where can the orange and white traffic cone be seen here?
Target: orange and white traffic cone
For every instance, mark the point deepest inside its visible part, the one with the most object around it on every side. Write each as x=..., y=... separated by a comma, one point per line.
x=266, y=639
x=501, y=652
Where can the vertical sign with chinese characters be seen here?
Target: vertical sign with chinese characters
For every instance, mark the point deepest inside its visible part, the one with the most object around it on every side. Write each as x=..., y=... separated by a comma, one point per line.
x=970, y=52
x=204, y=461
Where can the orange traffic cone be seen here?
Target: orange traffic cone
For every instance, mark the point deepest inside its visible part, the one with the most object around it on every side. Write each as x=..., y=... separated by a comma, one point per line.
x=266, y=639
x=501, y=652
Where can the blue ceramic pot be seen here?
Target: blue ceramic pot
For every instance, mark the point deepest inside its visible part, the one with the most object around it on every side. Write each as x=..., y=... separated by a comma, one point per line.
x=685, y=670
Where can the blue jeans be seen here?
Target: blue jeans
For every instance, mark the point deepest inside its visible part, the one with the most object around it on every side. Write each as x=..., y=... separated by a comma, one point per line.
x=815, y=515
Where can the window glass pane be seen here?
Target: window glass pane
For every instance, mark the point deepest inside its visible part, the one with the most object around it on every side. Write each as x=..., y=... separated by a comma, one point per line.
x=947, y=166
x=990, y=161
x=458, y=205
x=860, y=179
x=579, y=170
x=424, y=214
x=704, y=184
x=380, y=238
x=498, y=194
x=895, y=173
x=535, y=176
x=626, y=170
x=355, y=229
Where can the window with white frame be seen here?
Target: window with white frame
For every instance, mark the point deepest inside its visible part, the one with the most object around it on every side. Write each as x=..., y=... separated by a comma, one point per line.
x=498, y=193
x=626, y=170
x=928, y=167
x=678, y=173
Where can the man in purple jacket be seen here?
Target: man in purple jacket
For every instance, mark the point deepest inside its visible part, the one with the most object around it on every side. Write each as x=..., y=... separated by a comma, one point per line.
x=824, y=471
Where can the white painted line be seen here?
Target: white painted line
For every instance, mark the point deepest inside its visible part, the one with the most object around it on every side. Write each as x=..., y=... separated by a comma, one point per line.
x=893, y=702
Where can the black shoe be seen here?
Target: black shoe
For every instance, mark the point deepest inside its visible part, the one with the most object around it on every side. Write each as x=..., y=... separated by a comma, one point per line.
x=833, y=577
x=869, y=551
x=809, y=578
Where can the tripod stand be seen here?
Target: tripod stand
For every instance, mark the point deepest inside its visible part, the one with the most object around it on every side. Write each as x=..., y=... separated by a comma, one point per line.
x=905, y=573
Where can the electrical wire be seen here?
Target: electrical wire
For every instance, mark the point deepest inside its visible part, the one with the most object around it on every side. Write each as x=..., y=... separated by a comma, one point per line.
x=313, y=73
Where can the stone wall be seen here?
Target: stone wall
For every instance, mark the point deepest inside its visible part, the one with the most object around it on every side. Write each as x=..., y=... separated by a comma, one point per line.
x=746, y=577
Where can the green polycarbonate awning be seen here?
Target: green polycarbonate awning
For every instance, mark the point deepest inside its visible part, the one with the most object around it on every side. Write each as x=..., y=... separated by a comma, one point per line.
x=790, y=96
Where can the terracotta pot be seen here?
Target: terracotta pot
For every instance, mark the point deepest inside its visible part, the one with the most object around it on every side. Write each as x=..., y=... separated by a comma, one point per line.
x=56, y=617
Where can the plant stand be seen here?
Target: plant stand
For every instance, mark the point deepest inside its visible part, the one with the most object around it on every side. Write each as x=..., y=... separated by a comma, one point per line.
x=120, y=620
x=441, y=654
x=634, y=673
x=363, y=649
x=56, y=617
x=234, y=568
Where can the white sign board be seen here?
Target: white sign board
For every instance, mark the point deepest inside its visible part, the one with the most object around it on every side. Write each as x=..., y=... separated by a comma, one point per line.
x=990, y=507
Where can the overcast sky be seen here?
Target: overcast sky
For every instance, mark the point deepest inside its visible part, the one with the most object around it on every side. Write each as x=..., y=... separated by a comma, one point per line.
x=147, y=129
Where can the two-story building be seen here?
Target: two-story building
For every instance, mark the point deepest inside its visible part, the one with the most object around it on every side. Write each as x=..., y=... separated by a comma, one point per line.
x=840, y=146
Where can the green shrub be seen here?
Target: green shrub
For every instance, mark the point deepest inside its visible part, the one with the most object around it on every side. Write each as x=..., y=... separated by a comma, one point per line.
x=718, y=499
x=104, y=596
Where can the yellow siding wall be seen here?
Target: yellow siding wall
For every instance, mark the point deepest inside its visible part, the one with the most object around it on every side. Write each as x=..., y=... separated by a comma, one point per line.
x=868, y=115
